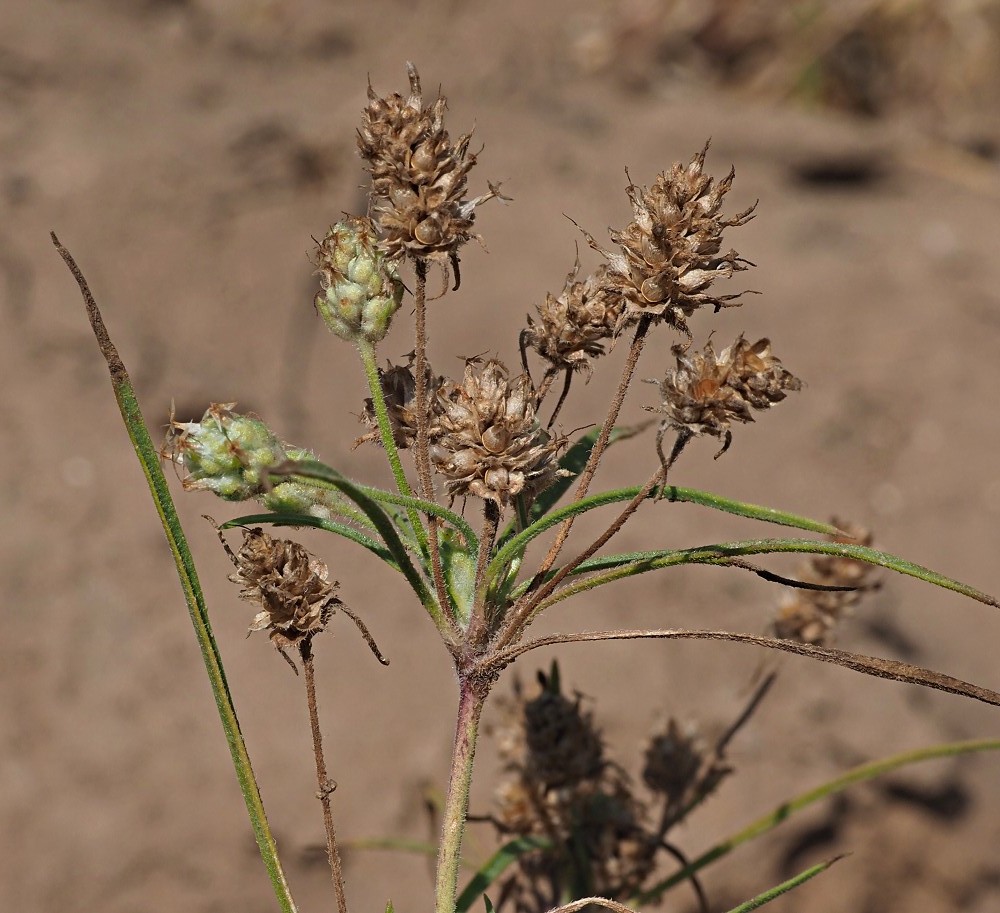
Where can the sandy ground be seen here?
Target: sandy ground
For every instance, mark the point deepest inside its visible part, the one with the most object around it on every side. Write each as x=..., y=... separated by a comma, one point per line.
x=185, y=152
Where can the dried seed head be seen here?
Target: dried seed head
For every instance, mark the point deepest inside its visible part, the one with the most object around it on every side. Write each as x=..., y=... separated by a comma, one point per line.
x=706, y=391
x=290, y=584
x=226, y=453
x=572, y=328
x=809, y=616
x=563, y=745
x=360, y=288
x=399, y=387
x=673, y=760
x=486, y=440
x=419, y=175
x=671, y=253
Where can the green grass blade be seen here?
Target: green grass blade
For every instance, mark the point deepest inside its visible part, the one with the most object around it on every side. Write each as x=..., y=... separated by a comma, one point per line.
x=750, y=511
x=783, y=812
x=331, y=526
x=313, y=471
x=150, y=461
x=724, y=552
x=495, y=866
x=761, y=899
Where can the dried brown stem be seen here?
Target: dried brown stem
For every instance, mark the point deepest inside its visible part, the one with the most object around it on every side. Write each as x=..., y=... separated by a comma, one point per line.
x=696, y=885
x=491, y=520
x=543, y=388
x=876, y=666
x=326, y=786
x=587, y=476
x=423, y=454
x=567, y=383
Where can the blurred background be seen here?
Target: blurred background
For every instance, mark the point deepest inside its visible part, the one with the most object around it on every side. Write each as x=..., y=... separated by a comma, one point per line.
x=186, y=150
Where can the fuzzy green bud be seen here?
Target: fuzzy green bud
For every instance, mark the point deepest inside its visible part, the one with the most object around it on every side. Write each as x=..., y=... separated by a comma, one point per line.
x=360, y=287
x=226, y=453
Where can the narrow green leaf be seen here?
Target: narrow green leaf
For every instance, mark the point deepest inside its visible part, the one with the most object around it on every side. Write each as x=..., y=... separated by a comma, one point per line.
x=313, y=470
x=149, y=459
x=750, y=511
x=761, y=899
x=783, y=812
x=331, y=526
x=495, y=866
x=319, y=472
x=723, y=552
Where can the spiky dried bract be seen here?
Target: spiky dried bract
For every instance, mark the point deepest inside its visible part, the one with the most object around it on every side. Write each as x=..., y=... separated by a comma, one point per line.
x=360, y=288
x=671, y=254
x=290, y=584
x=572, y=328
x=419, y=175
x=399, y=387
x=486, y=439
x=707, y=391
x=562, y=788
x=226, y=453
x=810, y=616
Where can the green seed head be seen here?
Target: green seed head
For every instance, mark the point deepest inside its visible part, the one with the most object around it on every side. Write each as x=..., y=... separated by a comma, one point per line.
x=225, y=453
x=360, y=288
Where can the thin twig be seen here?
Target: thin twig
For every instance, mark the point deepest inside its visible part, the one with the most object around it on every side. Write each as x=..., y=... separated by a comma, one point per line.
x=326, y=786
x=587, y=476
x=567, y=383
x=543, y=388
x=423, y=455
x=696, y=884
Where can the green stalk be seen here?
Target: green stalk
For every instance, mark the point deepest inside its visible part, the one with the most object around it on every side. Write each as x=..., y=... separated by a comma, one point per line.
x=470, y=707
x=149, y=458
x=367, y=352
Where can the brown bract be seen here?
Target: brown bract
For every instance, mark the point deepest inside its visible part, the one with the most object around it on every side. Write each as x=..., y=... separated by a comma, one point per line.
x=419, y=175
x=486, y=439
x=707, y=391
x=399, y=387
x=572, y=328
x=290, y=584
x=671, y=254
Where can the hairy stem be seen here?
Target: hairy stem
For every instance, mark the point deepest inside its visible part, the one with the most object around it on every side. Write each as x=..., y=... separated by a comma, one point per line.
x=326, y=787
x=423, y=453
x=470, y=707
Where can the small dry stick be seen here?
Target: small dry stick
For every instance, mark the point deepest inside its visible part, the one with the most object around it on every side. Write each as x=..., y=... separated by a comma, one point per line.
x=423, y=455
x=326, y=786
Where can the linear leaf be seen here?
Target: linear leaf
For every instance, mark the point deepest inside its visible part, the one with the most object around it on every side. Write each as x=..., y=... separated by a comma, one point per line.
x=332, y=526
x=495, y=866
x=859, y=774
x=767, y=896
x=723, y=552
x=149, y=459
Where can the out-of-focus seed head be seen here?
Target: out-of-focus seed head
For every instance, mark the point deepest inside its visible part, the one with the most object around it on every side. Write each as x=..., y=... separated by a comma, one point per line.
x=419, y=175
x=399, y=387
x=810, y=616
x=707, y=391
x=486, y=439
x=360, y=288
x=291, y=585
x=563, y=745
x=671, y=253
x=573, y=327
x=225, y=453
x=673, y=761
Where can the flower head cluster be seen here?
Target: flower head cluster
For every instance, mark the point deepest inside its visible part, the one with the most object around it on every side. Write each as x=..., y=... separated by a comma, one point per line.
x=419, y=175
x=291, y=585
x=226, y=453
x=707, y=391
x=573, y=327
x=809, y=616
x=671, y=253
x=486, y=439
x=360, y=289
